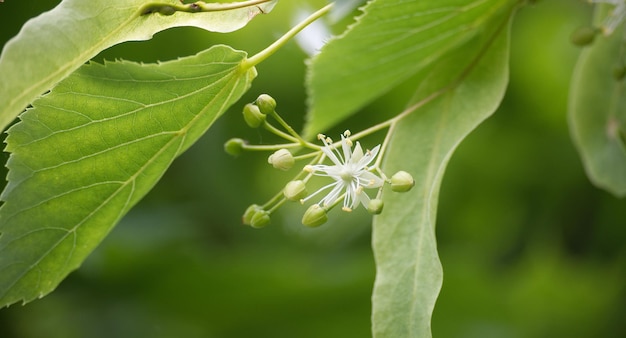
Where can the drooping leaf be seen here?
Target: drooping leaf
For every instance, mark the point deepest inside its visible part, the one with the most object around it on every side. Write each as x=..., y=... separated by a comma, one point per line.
x=54, y=44
x=392, y=41
x=597, y=110
x=90, y=149
x=408, y=271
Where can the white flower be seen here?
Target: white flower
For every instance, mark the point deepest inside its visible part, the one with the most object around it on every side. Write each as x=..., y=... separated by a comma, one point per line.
x=349, y=171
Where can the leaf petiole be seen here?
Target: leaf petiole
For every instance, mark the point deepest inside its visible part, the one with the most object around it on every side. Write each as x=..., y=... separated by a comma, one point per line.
x=272, y=147
x=271, y=49
x=197, y=7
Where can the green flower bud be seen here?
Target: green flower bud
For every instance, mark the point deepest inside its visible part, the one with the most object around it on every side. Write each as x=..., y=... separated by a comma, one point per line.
x=583, y=36
x=281, y=159
x=402, y=181
x=167, y=10
x=266, y=103
x=295, y=190
x=260, y=219
x=250, y=212
x=234, y=146
x=253, y=116
x=314, y=216
x=375, y=206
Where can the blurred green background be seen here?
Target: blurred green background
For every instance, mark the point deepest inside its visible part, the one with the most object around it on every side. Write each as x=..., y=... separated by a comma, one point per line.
x=529, y=247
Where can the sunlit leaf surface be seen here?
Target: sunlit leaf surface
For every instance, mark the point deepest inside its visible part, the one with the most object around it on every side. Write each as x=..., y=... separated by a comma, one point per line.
x=54, y=44
x=391, y=41
x=90, y=149
x=468, y=85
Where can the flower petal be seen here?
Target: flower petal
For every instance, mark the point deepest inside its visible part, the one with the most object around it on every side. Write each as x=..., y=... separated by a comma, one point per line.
x=363, y=198
x=370, y=180
x=349, y=172
x=370, y=155
x=326, y=170
x=347, y=149
x=357, y=154
x=318, y=191
x=333, y=194
x=329, y=153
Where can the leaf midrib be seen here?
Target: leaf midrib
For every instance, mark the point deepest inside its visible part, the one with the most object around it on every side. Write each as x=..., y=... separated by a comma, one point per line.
x=74, y=62
x=182, y=132
x=134, y=111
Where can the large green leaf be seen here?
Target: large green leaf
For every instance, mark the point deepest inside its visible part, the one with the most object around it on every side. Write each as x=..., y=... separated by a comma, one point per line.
x=391, y=41
x=597, y=110
x=467, y=87
x=54, y=44
x=90, y=149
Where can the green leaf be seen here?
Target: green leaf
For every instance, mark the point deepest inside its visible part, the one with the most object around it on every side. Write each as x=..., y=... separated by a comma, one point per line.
x=597, y=111
x=392, y=41
x=94, y=146
x=460, y=92
x=54, y=44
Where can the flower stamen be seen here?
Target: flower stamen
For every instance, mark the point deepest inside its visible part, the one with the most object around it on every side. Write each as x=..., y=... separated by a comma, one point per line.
x=349, y=171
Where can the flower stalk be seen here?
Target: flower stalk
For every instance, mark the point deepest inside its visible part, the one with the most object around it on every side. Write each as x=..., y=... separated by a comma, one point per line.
x=352, y=171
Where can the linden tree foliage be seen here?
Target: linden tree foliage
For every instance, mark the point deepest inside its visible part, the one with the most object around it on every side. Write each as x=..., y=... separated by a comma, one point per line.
x=408, y=38
x=77, y=30
x=463, y=46
x=83, y=154
x=88, y=151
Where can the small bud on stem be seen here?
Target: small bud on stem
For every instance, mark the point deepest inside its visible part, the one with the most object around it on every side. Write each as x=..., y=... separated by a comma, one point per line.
x=314, y=216
x=250, y=212
x=260, y=219
x=402, y=181
x=295, y=190
x=266, y=104
x=282, y=159
x=375, y=206
x=253, y=116
x=234, y=146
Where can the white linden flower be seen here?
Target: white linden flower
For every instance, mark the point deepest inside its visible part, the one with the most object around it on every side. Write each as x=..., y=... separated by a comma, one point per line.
x=349, y=171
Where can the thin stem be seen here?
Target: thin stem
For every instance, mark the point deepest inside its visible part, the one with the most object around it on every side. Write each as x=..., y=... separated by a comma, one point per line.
x=372, y=129
x=273, y=200
x=305, y=156
x=286, y=126
x=379, y=194
x=292, y=136
x=382, y=174
x=270, y=147
x=383, y=147
x=280, y=133
x=267, y=52
x=391, y=123
x=292, y=132
x=404, y=113
x=278, y=205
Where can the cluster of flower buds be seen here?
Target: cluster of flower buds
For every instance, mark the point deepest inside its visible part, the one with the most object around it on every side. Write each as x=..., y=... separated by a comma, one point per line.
x=351, y=170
